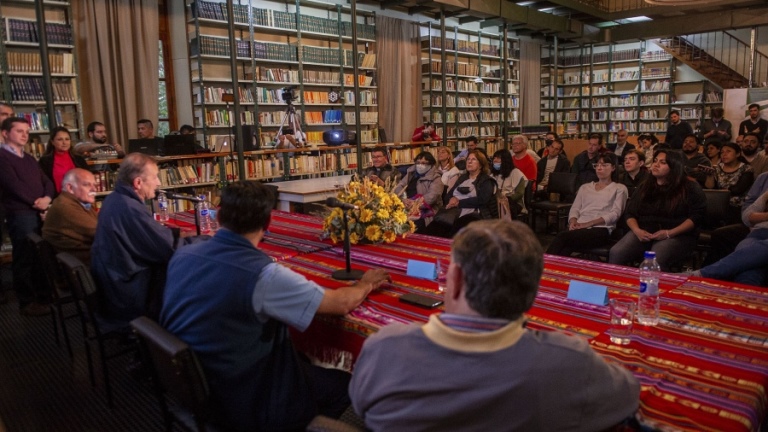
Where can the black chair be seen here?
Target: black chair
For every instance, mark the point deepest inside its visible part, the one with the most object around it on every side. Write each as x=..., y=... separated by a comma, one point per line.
x=177, y=374
x=718, y=203
x=56, y=282
x=563, y=184
x=84, y=291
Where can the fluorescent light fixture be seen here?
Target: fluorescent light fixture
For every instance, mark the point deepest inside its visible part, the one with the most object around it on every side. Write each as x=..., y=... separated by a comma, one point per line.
x=640, y=18
x=548, y=9
x=526, y=3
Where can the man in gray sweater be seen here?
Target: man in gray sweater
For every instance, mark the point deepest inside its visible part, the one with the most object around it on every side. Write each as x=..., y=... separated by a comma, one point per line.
x=476, y=367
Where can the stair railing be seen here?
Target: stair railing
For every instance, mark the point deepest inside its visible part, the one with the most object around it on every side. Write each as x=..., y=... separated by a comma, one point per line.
x=730, y=51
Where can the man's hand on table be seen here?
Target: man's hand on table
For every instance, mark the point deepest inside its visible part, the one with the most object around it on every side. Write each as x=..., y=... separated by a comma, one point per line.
x=343, y=300
x=375, y=278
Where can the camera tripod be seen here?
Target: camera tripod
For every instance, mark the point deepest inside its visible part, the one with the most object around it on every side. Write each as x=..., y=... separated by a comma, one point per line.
x=291, y=121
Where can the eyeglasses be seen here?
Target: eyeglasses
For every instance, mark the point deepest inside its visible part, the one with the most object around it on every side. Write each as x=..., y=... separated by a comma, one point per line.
x=601, y=165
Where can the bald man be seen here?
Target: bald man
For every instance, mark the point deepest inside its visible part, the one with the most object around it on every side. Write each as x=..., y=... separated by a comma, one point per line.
x=70, y=224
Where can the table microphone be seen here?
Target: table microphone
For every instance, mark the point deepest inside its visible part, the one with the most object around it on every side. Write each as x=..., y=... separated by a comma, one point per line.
x=335, y=202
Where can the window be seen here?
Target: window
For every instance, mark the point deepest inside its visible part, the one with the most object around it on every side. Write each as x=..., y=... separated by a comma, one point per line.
x=163, y=124
x=166, y=121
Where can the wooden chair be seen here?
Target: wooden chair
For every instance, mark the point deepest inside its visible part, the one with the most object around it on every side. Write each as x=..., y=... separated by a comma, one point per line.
x=46, y=257
x=84, y=291
x=563, y=184
x=176, y=372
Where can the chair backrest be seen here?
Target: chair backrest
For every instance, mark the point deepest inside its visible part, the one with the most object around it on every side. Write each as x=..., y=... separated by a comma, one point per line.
x=46, y=256
x=177, y=369
x=563, y=183
x=718, y=202
x=80, y=283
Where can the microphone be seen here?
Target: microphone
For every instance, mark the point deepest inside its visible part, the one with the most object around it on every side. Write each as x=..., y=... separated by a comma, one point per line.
x=172, y=195
x=334, y=202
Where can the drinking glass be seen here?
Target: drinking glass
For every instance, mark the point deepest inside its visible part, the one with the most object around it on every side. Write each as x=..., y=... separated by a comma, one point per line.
x=622, y=317
x=442, y=265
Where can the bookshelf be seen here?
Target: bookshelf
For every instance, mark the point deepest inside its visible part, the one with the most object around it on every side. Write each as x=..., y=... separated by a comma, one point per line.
x=470, y=86
x=26, y=80
x=303, y=44
x=633, y=86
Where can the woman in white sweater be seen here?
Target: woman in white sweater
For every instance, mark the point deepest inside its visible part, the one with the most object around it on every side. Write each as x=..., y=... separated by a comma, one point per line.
x=595, y=211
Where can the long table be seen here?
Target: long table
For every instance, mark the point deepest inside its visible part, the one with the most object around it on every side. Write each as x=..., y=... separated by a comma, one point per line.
x=703, y=368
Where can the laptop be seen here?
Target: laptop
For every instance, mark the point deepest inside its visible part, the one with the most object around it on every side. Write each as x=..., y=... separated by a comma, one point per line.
x=221, y=144
x=177, y=145
x=148, y=146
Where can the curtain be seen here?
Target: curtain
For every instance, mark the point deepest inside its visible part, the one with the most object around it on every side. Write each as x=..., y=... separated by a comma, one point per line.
x=117, y=42
x=530, y=84
x=398, y=76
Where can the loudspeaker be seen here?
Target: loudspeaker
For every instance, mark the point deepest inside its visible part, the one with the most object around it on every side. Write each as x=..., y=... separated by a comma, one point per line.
x=250, y=140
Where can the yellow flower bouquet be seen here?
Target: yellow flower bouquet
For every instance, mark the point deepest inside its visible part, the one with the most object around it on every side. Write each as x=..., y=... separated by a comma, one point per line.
x=380, y=215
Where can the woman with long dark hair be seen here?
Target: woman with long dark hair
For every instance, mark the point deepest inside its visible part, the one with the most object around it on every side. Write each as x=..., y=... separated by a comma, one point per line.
x=734, y=174
x=595, y=211
x=510, y=180
x=663, y=215
x=58, y=157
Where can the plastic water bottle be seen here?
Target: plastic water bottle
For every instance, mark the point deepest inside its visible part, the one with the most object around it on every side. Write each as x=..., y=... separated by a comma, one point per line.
x=162, y=207
x=648, y=302
x=205, y=220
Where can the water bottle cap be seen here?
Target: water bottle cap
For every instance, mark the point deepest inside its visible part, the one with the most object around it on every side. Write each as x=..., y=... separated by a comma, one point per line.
x=650, y=254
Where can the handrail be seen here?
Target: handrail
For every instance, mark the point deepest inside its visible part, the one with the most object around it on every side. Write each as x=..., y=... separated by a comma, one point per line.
x=728, y=50
x=744, y=43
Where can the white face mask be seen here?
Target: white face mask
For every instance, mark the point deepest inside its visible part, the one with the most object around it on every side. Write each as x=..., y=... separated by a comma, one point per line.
x=422, y=169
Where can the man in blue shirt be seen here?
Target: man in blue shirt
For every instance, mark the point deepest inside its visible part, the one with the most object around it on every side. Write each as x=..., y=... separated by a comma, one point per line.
x=232, y=304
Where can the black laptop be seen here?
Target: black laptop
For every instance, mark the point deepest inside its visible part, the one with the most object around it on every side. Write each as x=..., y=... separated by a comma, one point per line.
x=148, y=146
x=177, y=145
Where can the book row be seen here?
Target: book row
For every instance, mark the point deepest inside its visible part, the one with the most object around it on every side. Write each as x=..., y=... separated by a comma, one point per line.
x=280, y=19
x=18, y=30
x=310, y=77
x=469, y=47
x=31, y=89
x=30, y=62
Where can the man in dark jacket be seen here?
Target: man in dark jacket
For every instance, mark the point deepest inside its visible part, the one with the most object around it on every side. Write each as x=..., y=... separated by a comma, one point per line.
x=696, y=164
x=676, y=131
x=381, y=169
x=555, y=161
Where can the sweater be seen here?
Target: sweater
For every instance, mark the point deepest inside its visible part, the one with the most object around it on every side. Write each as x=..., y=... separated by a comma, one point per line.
x=70, y=227
x=22, y=182
x=607, y=203
x=676, y=134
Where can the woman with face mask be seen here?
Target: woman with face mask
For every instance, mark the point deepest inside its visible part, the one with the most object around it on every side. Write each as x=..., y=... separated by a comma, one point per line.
x=423, y=180
x=510, y=180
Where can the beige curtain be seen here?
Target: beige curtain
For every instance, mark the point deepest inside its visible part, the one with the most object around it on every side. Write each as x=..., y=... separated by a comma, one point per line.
x=117, y=42
x=530, y=84
x=398, y=76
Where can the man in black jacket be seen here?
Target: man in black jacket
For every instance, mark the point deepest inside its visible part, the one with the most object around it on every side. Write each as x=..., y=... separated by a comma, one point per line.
x=676, y=131
x=555, y=161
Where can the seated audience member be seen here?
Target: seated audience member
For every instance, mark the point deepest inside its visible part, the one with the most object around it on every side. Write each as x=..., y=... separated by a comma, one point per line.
x=423, y=181
x=97, y=139
x=448, y=171
x=595, y=211
x=725, y=239
x=748, y=264
x=233, y=305
x=476, y=367
x=381, y=170
x=287, y=140
x=663, y=215
x=716, y=128
x=186, y=130
x=70, y=224
x=634, y=170
x=425, y=132
x=509, y=180
x=648, y=145
x=750, y=149
x=554, y=161
x=754, y=124
x=59, y=158
x=549, y=138
x=131, y=250
x=468, y=200
x=522, y=159
x=26, y=194
x=583, y=163
x=733, y=174
x=471, y=146
x=145, y=129
x=697, y=166
x=712, y=150
x=621, y=147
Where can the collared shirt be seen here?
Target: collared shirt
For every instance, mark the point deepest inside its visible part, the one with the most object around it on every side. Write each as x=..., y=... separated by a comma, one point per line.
x=12, y=149
x=472, y=324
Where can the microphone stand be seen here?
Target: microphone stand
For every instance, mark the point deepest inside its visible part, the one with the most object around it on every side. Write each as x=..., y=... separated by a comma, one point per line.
x=348, y=273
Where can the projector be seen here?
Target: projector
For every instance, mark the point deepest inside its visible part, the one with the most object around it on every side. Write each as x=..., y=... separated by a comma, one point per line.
x=334, y=137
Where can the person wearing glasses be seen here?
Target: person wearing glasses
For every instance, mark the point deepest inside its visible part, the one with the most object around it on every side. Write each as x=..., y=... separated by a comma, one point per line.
x=381, y=170
x=663, y=215
x=423, y=181
x=595, y=211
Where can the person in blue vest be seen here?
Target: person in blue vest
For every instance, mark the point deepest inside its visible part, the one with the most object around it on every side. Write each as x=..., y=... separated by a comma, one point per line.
x=233, y=305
